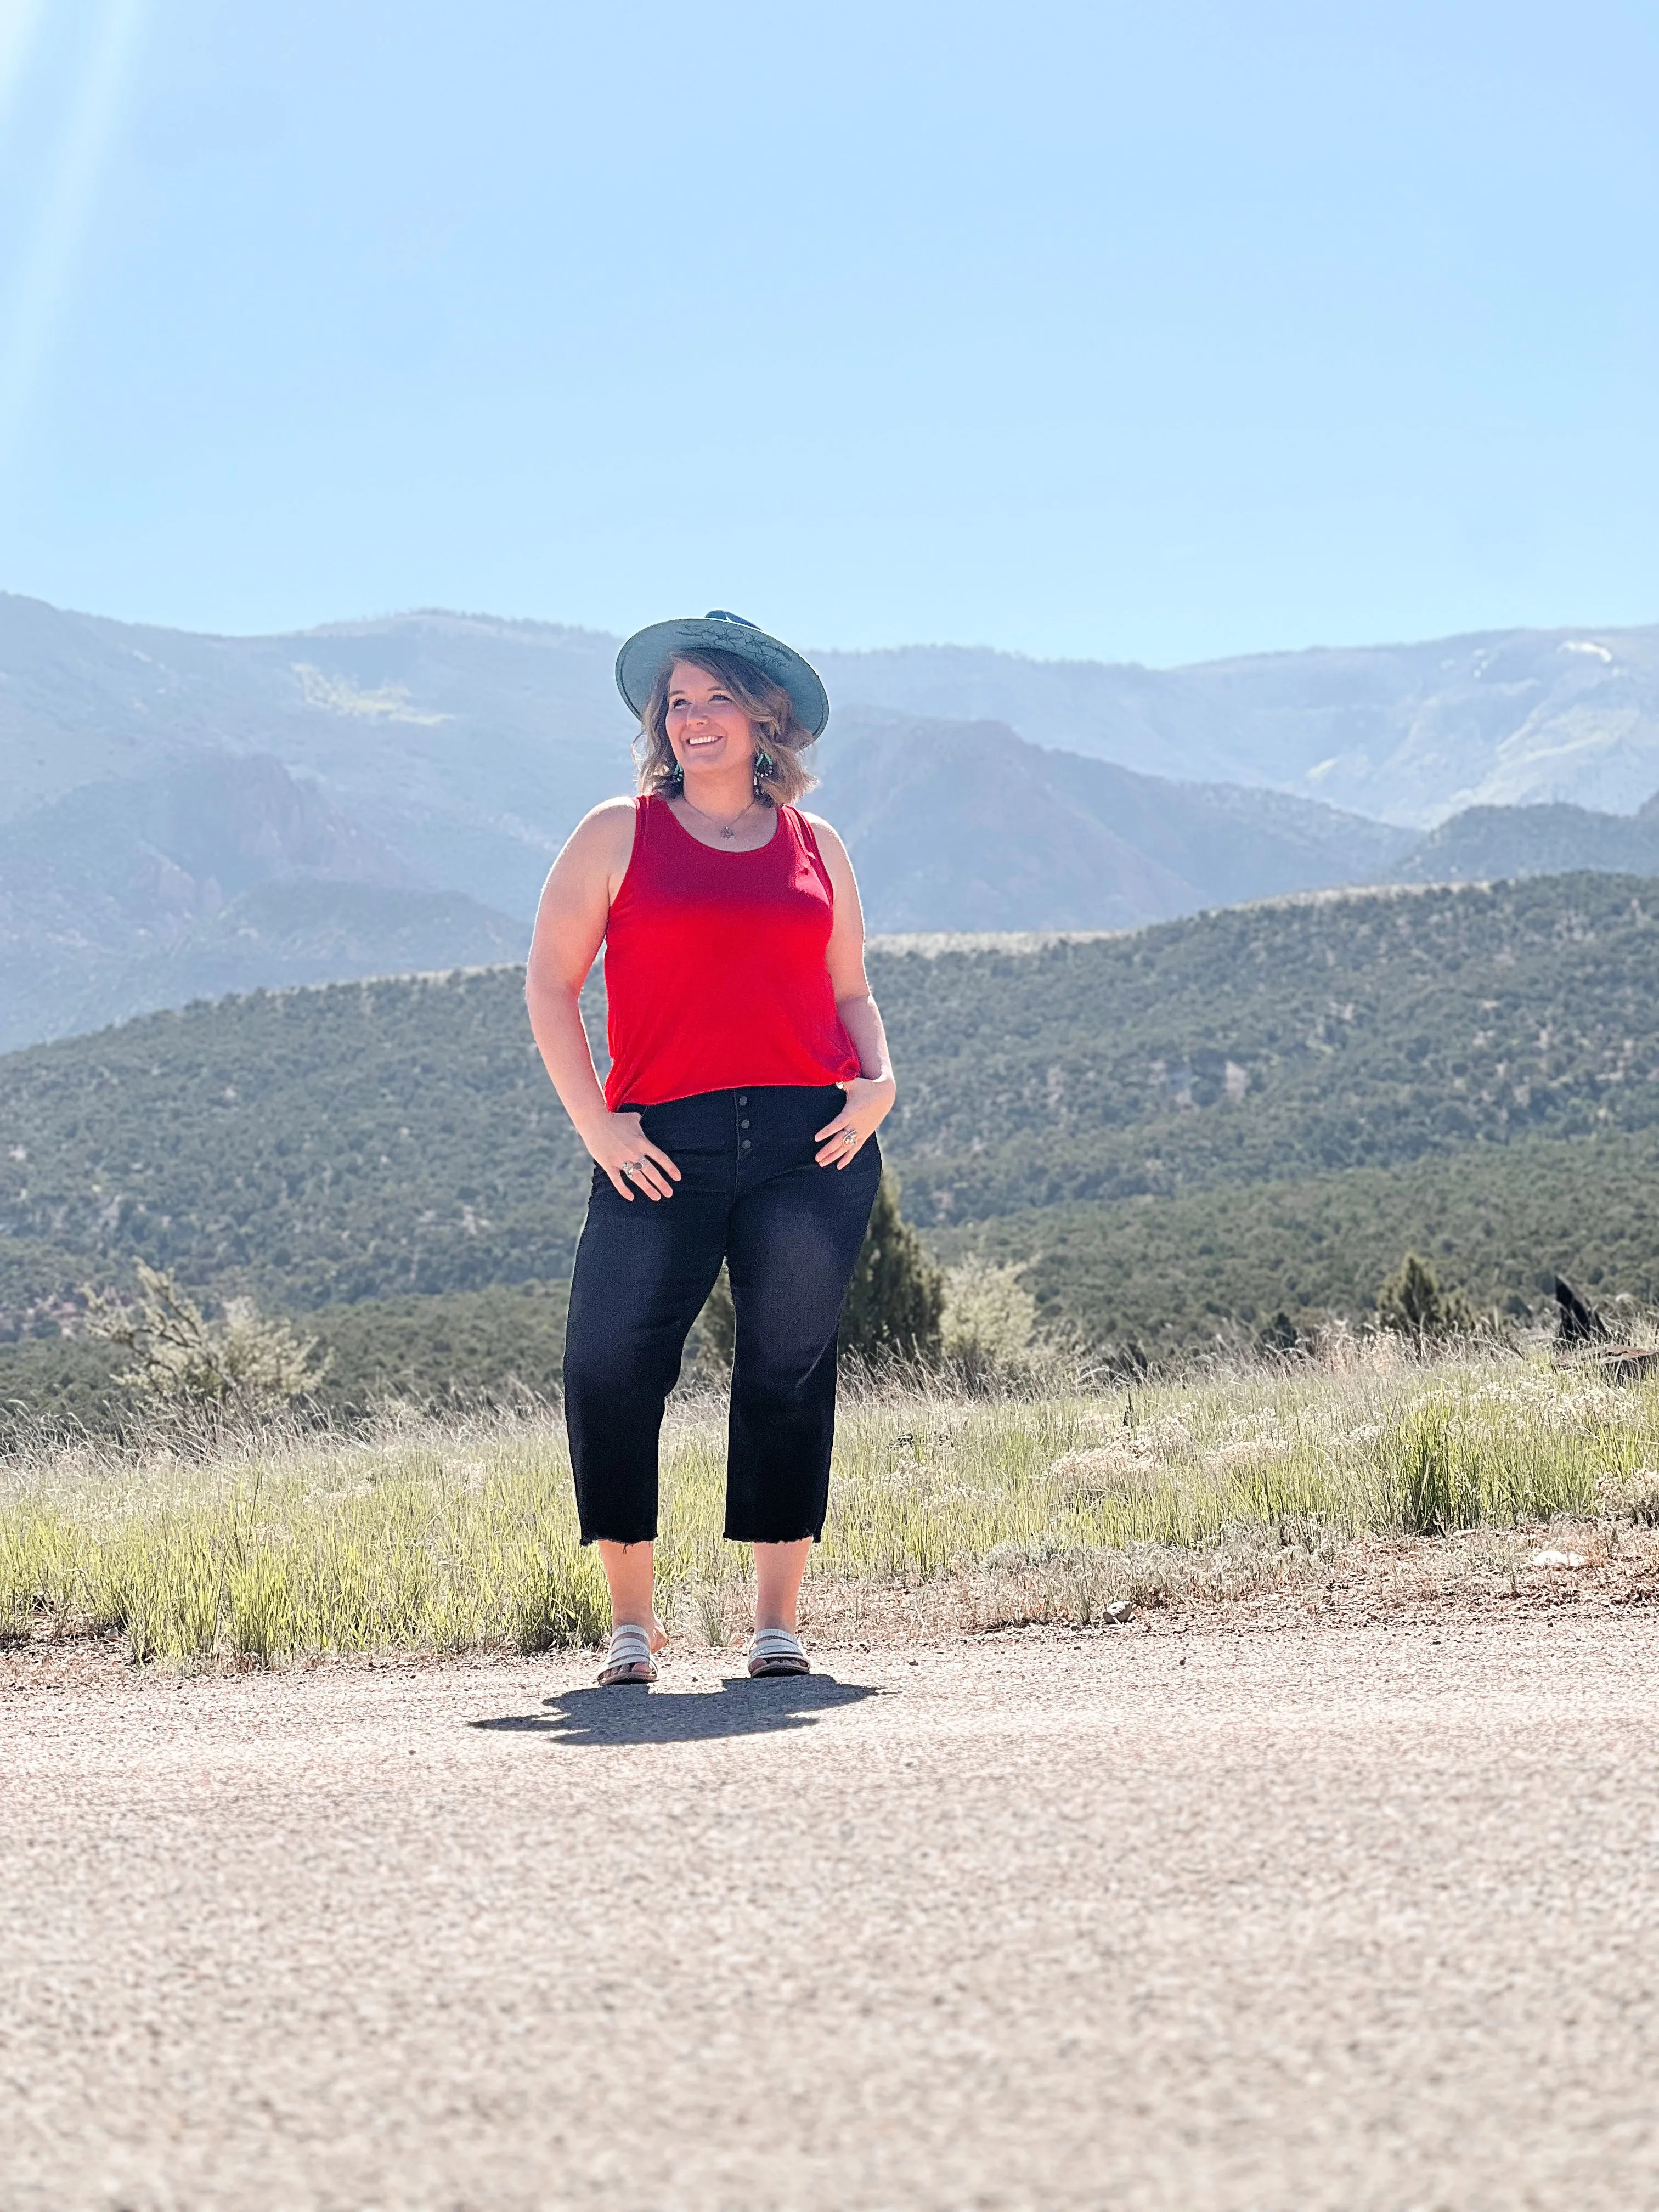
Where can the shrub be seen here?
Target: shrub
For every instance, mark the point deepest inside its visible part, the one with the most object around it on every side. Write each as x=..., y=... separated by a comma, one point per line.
x=989, y=1322
x=1281, y=1337
x=244, y=1362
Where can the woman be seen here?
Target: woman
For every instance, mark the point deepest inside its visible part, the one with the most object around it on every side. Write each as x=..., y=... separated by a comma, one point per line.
x=749, y=1072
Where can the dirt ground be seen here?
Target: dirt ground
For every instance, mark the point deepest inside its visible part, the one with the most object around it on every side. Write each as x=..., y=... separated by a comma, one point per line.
x=1320, y=1916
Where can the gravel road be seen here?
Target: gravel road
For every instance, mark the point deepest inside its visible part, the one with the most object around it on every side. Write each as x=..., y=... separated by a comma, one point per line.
x=1348, y=1918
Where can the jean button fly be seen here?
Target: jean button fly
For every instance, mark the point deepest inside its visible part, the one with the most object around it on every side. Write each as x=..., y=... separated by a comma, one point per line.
x=744, y=1146
x=743, y=1097
x=744, y=1124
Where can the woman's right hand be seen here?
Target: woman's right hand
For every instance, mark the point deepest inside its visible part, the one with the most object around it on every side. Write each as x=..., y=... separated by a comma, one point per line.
x=628, y=1155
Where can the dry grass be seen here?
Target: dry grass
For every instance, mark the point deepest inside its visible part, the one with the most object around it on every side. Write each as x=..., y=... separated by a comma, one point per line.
x=1368, y=1475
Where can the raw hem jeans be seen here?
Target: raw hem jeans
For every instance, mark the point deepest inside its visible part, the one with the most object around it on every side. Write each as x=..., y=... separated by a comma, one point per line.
x=751, y=1192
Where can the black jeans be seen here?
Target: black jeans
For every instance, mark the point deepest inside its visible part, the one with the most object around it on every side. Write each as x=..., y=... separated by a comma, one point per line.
x=751, y=1192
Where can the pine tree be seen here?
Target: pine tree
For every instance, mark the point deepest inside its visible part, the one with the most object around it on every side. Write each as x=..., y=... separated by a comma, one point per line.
x=1413, y=1304
x=717, y=1325
x=897, y=1295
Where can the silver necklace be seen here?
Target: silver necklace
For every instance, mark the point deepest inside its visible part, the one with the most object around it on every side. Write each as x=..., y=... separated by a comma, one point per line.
x=727, y=829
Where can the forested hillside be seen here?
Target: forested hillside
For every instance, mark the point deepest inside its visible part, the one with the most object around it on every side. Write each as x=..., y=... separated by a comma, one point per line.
x=497, y=1342
x=352, y=1141
x=1484, y=843
x=1499, y=1222
x=1163, y=1089
x=1344, y=1030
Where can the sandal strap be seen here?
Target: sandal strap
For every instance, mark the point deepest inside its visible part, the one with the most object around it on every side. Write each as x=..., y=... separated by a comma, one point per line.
x=777, y=1644
x=628, y=1644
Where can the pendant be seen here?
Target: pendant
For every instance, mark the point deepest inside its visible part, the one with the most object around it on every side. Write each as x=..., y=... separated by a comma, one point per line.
x=728, y=832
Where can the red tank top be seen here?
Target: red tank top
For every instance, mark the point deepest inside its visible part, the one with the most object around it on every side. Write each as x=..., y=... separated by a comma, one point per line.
x=715, y=966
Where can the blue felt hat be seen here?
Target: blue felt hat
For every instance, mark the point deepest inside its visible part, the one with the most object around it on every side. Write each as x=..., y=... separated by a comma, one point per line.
x=648, y=652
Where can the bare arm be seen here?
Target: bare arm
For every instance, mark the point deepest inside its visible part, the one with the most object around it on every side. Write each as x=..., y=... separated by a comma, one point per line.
x=570, y=924
x=871, y=1094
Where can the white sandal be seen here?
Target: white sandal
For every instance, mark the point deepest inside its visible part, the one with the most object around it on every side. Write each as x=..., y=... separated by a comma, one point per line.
x=629, y=1648
x=777, y=1651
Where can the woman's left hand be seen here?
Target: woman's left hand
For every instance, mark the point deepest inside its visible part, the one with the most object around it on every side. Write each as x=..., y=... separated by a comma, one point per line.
x=869, y=1101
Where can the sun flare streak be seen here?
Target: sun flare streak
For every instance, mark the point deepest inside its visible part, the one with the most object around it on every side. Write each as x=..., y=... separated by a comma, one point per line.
x=45, y=274
x=20, y=22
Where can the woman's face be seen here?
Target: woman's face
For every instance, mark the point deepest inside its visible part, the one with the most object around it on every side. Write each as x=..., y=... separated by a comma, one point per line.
x=706, y=726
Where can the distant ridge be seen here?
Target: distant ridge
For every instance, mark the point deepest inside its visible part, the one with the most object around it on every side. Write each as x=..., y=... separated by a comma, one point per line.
x=966, y=826
x=151, y=779
x=1409, y=733
x=1484, y=843
x=214, y=874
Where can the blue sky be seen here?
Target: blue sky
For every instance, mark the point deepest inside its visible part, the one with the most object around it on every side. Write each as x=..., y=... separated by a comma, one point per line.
x=1115, y=332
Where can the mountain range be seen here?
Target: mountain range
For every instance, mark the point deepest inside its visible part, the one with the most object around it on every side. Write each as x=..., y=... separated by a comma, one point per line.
x=1408, y=733
x=488, y=720
x=217, y=874
x=182, y=816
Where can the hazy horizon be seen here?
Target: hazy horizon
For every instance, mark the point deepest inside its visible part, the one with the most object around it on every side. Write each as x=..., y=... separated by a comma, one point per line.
x=1591, y=629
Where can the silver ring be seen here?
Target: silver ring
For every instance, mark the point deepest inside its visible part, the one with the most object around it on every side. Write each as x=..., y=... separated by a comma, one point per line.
x=631, y=1168
x=849, y=1136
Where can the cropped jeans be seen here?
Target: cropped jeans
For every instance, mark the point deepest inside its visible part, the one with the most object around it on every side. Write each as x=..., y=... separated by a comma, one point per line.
x=751, y=1192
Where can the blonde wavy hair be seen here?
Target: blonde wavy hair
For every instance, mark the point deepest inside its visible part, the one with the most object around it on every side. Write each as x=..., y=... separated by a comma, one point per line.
x=779, y=734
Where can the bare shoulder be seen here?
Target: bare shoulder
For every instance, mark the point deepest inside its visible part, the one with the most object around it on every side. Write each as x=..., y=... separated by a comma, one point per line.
x=827, y=835
x=604, y=831
x=608, y=816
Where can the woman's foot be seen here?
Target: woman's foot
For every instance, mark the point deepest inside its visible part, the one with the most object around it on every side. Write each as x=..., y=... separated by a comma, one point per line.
x=631, y=1654
x=777, y=1651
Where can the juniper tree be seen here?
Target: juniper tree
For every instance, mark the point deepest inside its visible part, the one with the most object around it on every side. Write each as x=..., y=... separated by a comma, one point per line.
x=897, y=1295
x=893, y=1302
x=1413, y=1304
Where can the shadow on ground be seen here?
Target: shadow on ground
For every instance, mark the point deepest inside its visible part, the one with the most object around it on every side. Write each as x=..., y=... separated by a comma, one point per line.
x=631, y=1714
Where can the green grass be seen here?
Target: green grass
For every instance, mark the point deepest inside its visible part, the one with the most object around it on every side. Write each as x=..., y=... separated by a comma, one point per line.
x=461, y=1536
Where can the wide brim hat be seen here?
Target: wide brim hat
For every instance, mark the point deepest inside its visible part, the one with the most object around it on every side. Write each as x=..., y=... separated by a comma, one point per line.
x=648, y=652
